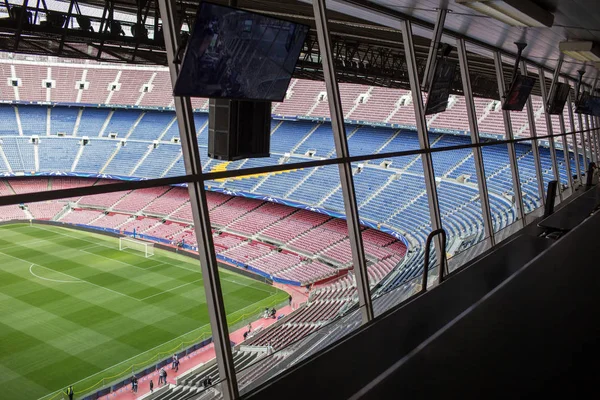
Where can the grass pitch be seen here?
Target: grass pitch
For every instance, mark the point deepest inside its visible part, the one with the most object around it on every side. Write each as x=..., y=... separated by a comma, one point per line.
x=75, y=309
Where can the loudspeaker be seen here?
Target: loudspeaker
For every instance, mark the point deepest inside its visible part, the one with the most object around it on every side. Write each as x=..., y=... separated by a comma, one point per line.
x=238, y=129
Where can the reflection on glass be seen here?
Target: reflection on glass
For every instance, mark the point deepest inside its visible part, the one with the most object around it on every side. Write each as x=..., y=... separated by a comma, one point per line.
x=528, y=177
x=392, y=200
x=458, y=197
x=561, y=156
x=526, y=161
x=500, y=185
x=290, y=234
x=383, y=191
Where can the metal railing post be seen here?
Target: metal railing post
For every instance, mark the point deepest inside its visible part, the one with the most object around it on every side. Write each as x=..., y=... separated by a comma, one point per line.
x=443, y=261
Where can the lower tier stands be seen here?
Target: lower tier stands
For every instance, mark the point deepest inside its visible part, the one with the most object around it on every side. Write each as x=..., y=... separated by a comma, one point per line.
x=391, y=196
x=291, y=260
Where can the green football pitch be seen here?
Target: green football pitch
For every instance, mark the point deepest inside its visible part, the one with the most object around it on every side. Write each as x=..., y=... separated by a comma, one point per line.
x=75, y=309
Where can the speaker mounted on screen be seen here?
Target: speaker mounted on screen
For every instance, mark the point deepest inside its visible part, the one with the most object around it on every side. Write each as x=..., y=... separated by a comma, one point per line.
x=238, y=129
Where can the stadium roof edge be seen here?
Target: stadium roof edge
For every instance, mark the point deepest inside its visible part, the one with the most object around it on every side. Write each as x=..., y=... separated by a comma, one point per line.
x=371, y=29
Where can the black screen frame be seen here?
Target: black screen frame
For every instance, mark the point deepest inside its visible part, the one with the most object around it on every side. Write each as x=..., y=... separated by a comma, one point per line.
x=186, y=52
x=585, y=104
x=556, y=104
x=519, y=84
x=440, y=87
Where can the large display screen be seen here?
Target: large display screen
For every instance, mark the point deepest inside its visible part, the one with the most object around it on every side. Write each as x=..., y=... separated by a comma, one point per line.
x=518, y=93
x=236, y=54
x=437, y=99
x=558, y=98
x=588, y=104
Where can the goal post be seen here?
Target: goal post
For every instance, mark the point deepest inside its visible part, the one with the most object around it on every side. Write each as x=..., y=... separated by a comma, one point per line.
x=139, y=245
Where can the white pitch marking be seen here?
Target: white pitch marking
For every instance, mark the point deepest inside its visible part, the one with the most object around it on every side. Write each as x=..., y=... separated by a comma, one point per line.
x=52, y=280
x=135, y=266
x=70, y=276
x=170, y=290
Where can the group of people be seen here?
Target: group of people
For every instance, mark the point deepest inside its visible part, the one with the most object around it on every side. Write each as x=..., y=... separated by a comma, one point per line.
x=162, y=377
x=134, y=384
x=207, y=382
x=162, y=374
x=270, y=313
x=175, y=364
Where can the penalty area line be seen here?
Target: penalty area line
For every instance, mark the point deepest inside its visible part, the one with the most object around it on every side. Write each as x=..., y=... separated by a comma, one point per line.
x=53, y=280
x=70, y=276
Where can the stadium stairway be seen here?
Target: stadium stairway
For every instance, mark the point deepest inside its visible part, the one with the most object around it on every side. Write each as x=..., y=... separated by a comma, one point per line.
x=185, y=393
x=194, y=378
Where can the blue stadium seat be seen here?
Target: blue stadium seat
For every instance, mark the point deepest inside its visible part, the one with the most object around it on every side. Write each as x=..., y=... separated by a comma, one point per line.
x=95, y=154
x=126, y=158
x=33, y=120
x=63, y=120
x=8, y=120
x=121, y=122
x=92, y=120
x=19, y=152
x=57, y=154
x=152, y=125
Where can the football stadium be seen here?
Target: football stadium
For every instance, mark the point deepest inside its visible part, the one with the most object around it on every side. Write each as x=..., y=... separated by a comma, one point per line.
x=193, y=206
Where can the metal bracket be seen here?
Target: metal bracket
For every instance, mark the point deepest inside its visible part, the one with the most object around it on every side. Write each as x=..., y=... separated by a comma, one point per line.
x=433, y=48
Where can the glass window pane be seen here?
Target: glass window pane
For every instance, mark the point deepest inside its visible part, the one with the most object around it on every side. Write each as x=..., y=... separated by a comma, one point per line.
x=458, y=197
x=387, y=236
x=393, y=226
x=100, y=287
x=525, y=160
x=289, y=230
x=500, y=185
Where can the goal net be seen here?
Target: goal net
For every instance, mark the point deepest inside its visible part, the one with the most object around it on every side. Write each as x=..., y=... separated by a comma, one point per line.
x=138, y=245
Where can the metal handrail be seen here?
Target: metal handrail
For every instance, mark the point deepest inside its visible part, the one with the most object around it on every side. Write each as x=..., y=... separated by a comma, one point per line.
x=443, y=262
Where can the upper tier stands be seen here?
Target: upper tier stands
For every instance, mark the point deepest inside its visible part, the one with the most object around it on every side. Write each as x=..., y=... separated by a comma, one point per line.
x=394, y=196
x=150, y=86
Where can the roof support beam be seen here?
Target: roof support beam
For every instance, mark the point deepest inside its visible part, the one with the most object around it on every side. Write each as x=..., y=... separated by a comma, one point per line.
x=388, y=17
x=433, y=48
